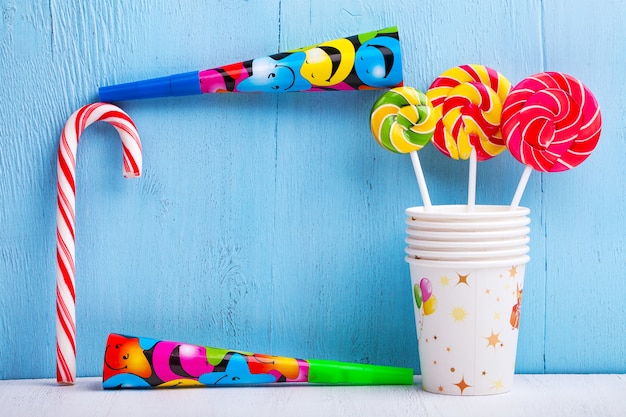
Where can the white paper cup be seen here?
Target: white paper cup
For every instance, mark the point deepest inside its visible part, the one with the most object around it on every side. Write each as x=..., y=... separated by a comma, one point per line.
x=453, y=236
x=461, y=213
x=467, y=318
x=466, y=245
x=467, y=226
x=484, y=254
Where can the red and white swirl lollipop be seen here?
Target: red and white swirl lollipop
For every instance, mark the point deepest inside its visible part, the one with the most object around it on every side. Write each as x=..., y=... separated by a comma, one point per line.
x=66, y=200
x=551, y=122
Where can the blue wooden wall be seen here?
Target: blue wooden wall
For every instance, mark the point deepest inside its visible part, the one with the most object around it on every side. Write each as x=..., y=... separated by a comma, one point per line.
x=274, y=223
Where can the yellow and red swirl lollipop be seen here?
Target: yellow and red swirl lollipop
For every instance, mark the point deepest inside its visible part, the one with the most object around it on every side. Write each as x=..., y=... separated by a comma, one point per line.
x=402, y=121
x=551, y=122
x=467, y=101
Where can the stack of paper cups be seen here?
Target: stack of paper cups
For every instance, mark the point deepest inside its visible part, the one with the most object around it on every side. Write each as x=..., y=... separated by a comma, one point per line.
x=467, y=278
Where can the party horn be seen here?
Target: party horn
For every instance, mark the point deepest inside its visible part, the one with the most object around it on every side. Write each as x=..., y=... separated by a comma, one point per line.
x=139, y=362
x=367, y=61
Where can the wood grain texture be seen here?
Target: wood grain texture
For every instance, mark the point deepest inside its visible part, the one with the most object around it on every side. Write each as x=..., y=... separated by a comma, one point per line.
x=593, y=244
x=554, y=395
x=274, y=223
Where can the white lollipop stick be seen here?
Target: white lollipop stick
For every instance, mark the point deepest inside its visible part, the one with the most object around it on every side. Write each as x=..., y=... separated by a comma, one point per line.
x=402, y=121
x=521, y=186
x=421, y=181
x=471, y=186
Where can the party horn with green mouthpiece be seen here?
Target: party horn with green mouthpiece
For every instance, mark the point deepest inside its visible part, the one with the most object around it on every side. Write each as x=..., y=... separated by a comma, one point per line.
x=139, y=362
x=366, y=61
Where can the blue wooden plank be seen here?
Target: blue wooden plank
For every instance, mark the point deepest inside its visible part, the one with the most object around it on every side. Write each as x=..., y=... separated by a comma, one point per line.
x=585, y=210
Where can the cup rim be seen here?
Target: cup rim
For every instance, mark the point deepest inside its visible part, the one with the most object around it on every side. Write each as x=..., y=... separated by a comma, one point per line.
x=467, y=225
x=519, y=260
x=453, y=212
x=442, y=244
x=468, y=254
x=459, y=236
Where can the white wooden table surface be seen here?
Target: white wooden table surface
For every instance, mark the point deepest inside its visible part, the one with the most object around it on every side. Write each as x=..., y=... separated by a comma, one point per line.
x=533, y=395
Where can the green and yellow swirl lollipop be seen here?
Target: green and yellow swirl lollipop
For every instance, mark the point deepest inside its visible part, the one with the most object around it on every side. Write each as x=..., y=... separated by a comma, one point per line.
x=402, y=121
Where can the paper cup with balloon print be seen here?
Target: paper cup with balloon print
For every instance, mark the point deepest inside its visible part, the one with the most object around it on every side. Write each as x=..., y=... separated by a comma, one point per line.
x=467, y=278
x=467, y=316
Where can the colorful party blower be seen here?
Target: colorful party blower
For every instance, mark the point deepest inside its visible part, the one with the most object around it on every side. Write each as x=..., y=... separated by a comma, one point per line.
x=551, y=122
x=367, y=61
x=139, y=362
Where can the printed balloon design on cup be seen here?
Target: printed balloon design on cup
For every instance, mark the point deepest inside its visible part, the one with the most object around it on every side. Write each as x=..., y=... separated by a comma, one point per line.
x=423, y=294
x=517, y=308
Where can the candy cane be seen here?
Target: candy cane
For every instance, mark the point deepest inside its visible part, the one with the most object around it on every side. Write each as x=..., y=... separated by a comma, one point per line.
x=66, y=199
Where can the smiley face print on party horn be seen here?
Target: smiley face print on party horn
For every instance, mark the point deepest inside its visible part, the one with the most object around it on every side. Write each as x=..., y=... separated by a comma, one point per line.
x=140, y=362
x=366, y=61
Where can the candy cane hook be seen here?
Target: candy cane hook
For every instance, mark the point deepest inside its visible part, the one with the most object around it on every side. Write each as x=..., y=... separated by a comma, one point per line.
x=66, y=199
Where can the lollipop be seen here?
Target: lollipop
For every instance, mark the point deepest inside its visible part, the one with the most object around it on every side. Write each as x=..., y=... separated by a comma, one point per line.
x=402, y=121
x=467, y=102
x=551, y=122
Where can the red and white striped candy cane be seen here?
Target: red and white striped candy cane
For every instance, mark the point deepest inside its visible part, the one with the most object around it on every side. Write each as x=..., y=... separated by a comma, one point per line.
x=66, y=199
